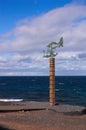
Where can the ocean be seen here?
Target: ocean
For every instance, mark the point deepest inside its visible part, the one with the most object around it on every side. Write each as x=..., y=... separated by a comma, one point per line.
x=69, y=89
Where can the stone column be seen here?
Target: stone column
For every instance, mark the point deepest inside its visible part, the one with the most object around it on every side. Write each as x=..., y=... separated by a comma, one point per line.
x=52, y=81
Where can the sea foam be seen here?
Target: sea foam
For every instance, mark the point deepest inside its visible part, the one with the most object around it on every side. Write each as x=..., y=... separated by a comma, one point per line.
x=11, y=100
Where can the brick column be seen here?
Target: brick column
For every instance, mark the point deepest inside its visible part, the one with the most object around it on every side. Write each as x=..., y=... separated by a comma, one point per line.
x=52, y=81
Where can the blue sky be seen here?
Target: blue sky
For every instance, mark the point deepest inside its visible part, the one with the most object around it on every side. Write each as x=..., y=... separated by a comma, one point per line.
x=27, y=26
x=12, y=11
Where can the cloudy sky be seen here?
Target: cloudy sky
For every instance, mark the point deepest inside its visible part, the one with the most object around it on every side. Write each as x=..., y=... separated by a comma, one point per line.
x=27, y=26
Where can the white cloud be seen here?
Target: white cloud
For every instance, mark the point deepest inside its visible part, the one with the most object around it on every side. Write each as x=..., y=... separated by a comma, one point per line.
x=48, y=27
x=68, y=56
x=27, y=40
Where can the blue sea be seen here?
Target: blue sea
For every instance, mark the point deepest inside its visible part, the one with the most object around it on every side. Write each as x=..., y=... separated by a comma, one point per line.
x=69, y=89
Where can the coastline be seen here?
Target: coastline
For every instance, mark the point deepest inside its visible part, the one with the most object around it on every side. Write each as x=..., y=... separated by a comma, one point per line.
x=39, y=105
x=41, y=116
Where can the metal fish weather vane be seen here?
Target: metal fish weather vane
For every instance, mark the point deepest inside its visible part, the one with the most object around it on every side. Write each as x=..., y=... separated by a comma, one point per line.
x=51, y=48
x=50, y=53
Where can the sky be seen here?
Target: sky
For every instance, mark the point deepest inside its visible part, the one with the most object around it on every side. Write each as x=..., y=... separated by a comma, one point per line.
x=28, y=26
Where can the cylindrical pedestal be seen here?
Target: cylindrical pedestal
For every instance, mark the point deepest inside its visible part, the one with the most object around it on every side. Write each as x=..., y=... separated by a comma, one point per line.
x=52, y=81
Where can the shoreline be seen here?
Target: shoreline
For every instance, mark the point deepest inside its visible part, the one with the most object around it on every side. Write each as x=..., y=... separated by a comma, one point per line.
x=40, y=105
x=41, y=116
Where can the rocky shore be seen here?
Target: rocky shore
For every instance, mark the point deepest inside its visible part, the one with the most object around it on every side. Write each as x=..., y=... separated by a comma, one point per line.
x=41, y=116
